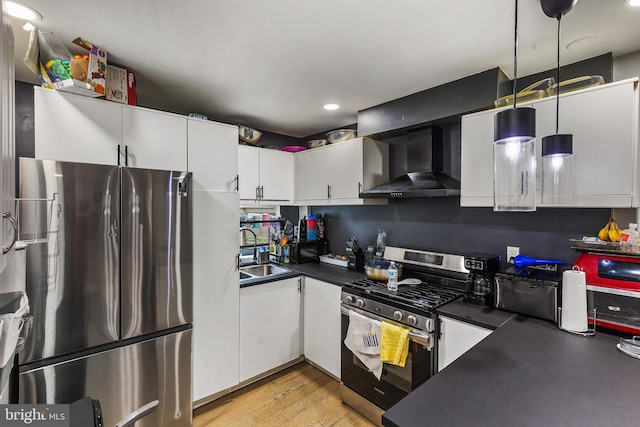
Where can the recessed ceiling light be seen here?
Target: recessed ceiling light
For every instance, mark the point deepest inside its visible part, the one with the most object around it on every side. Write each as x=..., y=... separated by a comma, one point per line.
x=330, y=106
x=22, y=12
x=580, y=43
x=28, y=26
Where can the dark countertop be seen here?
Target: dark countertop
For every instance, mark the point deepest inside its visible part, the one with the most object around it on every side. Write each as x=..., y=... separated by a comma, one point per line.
x=325, y=272
x=328, y=273
x=529, y=373
x=485, y=317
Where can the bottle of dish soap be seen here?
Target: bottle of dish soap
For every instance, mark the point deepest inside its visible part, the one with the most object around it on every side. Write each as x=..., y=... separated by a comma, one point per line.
x=392, y=277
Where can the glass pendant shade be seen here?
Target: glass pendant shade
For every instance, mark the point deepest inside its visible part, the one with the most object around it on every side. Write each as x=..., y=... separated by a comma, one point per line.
x=514, y=160
x=557, y=169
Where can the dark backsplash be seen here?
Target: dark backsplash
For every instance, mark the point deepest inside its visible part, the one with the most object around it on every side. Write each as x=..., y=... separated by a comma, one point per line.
x=440, y=224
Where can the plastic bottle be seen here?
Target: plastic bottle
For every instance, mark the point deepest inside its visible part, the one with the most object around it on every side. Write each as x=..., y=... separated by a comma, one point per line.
x=312, y=230
x=380, y=245
x=392, y=274
x=368, y=256
x=629, y=235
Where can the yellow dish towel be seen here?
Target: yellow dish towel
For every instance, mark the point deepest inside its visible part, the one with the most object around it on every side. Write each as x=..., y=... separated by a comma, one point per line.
x=395, y=344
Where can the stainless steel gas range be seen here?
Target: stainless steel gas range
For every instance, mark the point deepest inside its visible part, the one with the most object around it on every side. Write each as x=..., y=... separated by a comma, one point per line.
x=443, y=278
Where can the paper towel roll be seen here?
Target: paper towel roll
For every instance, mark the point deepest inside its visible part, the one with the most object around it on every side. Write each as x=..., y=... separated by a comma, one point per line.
x=574, y=301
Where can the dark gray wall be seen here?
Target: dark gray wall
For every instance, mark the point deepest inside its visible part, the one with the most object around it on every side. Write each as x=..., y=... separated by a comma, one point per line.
x=440, y=224
x=25, y=138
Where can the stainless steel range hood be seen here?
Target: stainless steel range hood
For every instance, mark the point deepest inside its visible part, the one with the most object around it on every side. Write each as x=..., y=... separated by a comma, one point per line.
x=417, y=159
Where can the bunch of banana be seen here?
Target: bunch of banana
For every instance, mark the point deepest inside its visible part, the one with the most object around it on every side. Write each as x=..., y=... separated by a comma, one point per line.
x=610, y=232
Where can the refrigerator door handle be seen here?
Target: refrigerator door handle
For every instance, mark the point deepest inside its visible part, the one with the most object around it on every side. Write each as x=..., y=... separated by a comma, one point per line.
x=131, y=419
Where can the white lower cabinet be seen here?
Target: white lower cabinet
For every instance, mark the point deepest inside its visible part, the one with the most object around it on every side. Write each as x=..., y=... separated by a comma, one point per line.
x=270, y=330
x=216, y=293
x=456, y=338
x=322, y=319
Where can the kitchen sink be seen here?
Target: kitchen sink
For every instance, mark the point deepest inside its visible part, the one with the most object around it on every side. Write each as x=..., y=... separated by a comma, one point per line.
x=263, y=270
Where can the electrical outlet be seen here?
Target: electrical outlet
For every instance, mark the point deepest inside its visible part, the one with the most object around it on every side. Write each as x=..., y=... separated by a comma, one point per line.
x=512, y=252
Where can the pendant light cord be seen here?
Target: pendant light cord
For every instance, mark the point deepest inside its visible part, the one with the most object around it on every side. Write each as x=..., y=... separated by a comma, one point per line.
x=515, y=55
x=558, y=78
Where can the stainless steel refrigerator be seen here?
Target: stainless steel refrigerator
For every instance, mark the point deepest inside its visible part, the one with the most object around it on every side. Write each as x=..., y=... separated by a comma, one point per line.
x=109, y=280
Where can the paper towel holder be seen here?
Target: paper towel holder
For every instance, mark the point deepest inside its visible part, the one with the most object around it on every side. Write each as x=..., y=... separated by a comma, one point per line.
x=591, y=331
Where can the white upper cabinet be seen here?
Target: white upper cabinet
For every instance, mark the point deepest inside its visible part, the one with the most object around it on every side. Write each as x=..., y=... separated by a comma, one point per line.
x=313, y=173
x=265, y=175
x=213, y=155
x=75, y=128
x=154, y=139
x=337, y=173
x=276, y=175
x=604, y=124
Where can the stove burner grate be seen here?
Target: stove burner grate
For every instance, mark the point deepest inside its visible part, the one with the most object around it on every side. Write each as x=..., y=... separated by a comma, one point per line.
x=423, y=296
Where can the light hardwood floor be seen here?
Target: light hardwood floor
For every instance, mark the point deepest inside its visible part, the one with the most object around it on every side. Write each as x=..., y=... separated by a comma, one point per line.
x=298, y=396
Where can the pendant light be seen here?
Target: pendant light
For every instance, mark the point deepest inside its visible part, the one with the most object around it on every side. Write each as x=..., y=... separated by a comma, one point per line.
x=514, y=161
x=557, y=150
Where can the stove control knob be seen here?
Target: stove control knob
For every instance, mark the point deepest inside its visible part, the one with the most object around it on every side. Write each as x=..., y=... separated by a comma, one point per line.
x=398, y=315
x=360, y=302
x=412, y=320
x=350, y=299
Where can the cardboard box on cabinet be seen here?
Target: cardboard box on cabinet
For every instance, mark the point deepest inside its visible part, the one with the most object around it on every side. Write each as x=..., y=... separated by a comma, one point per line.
x=116, y=89
x=121, y=85
x=61, y=71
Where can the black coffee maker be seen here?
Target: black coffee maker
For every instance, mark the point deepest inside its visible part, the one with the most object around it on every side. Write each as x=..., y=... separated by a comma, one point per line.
x=480, y=283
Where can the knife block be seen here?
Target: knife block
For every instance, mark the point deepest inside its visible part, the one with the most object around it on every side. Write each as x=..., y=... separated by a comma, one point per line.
x=356, y=260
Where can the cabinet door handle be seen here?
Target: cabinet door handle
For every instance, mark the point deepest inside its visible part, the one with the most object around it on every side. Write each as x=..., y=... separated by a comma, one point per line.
x=257, y=194
x=118, y=162
x=9, y=216
x=126, y=155
x=238, y=262
x=237, y=183
x=359, y=188
x=262, y=192
x=328, y=191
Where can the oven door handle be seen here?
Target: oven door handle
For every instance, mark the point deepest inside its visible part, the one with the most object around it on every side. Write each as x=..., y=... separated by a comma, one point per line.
x=425, y=339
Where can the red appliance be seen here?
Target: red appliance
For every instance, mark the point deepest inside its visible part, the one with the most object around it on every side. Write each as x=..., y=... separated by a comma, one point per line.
x=613, y=289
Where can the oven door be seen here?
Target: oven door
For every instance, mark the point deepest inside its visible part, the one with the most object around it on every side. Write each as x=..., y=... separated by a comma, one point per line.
x=396, y=382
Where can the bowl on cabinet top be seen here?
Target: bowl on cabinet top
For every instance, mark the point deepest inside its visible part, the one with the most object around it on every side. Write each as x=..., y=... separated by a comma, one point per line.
x=248, y=135
x=293, y=148
x=317, y=143
x=341, y=135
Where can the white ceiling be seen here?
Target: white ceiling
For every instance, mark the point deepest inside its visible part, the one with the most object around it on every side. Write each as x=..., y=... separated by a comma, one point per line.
x=272, y=64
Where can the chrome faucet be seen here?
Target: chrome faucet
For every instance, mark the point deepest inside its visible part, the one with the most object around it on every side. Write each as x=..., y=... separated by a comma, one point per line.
x=255, y=242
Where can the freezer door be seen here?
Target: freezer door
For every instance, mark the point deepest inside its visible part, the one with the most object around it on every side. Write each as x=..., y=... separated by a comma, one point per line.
x=122, y=379
x=157, y=266
x=72, y=273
